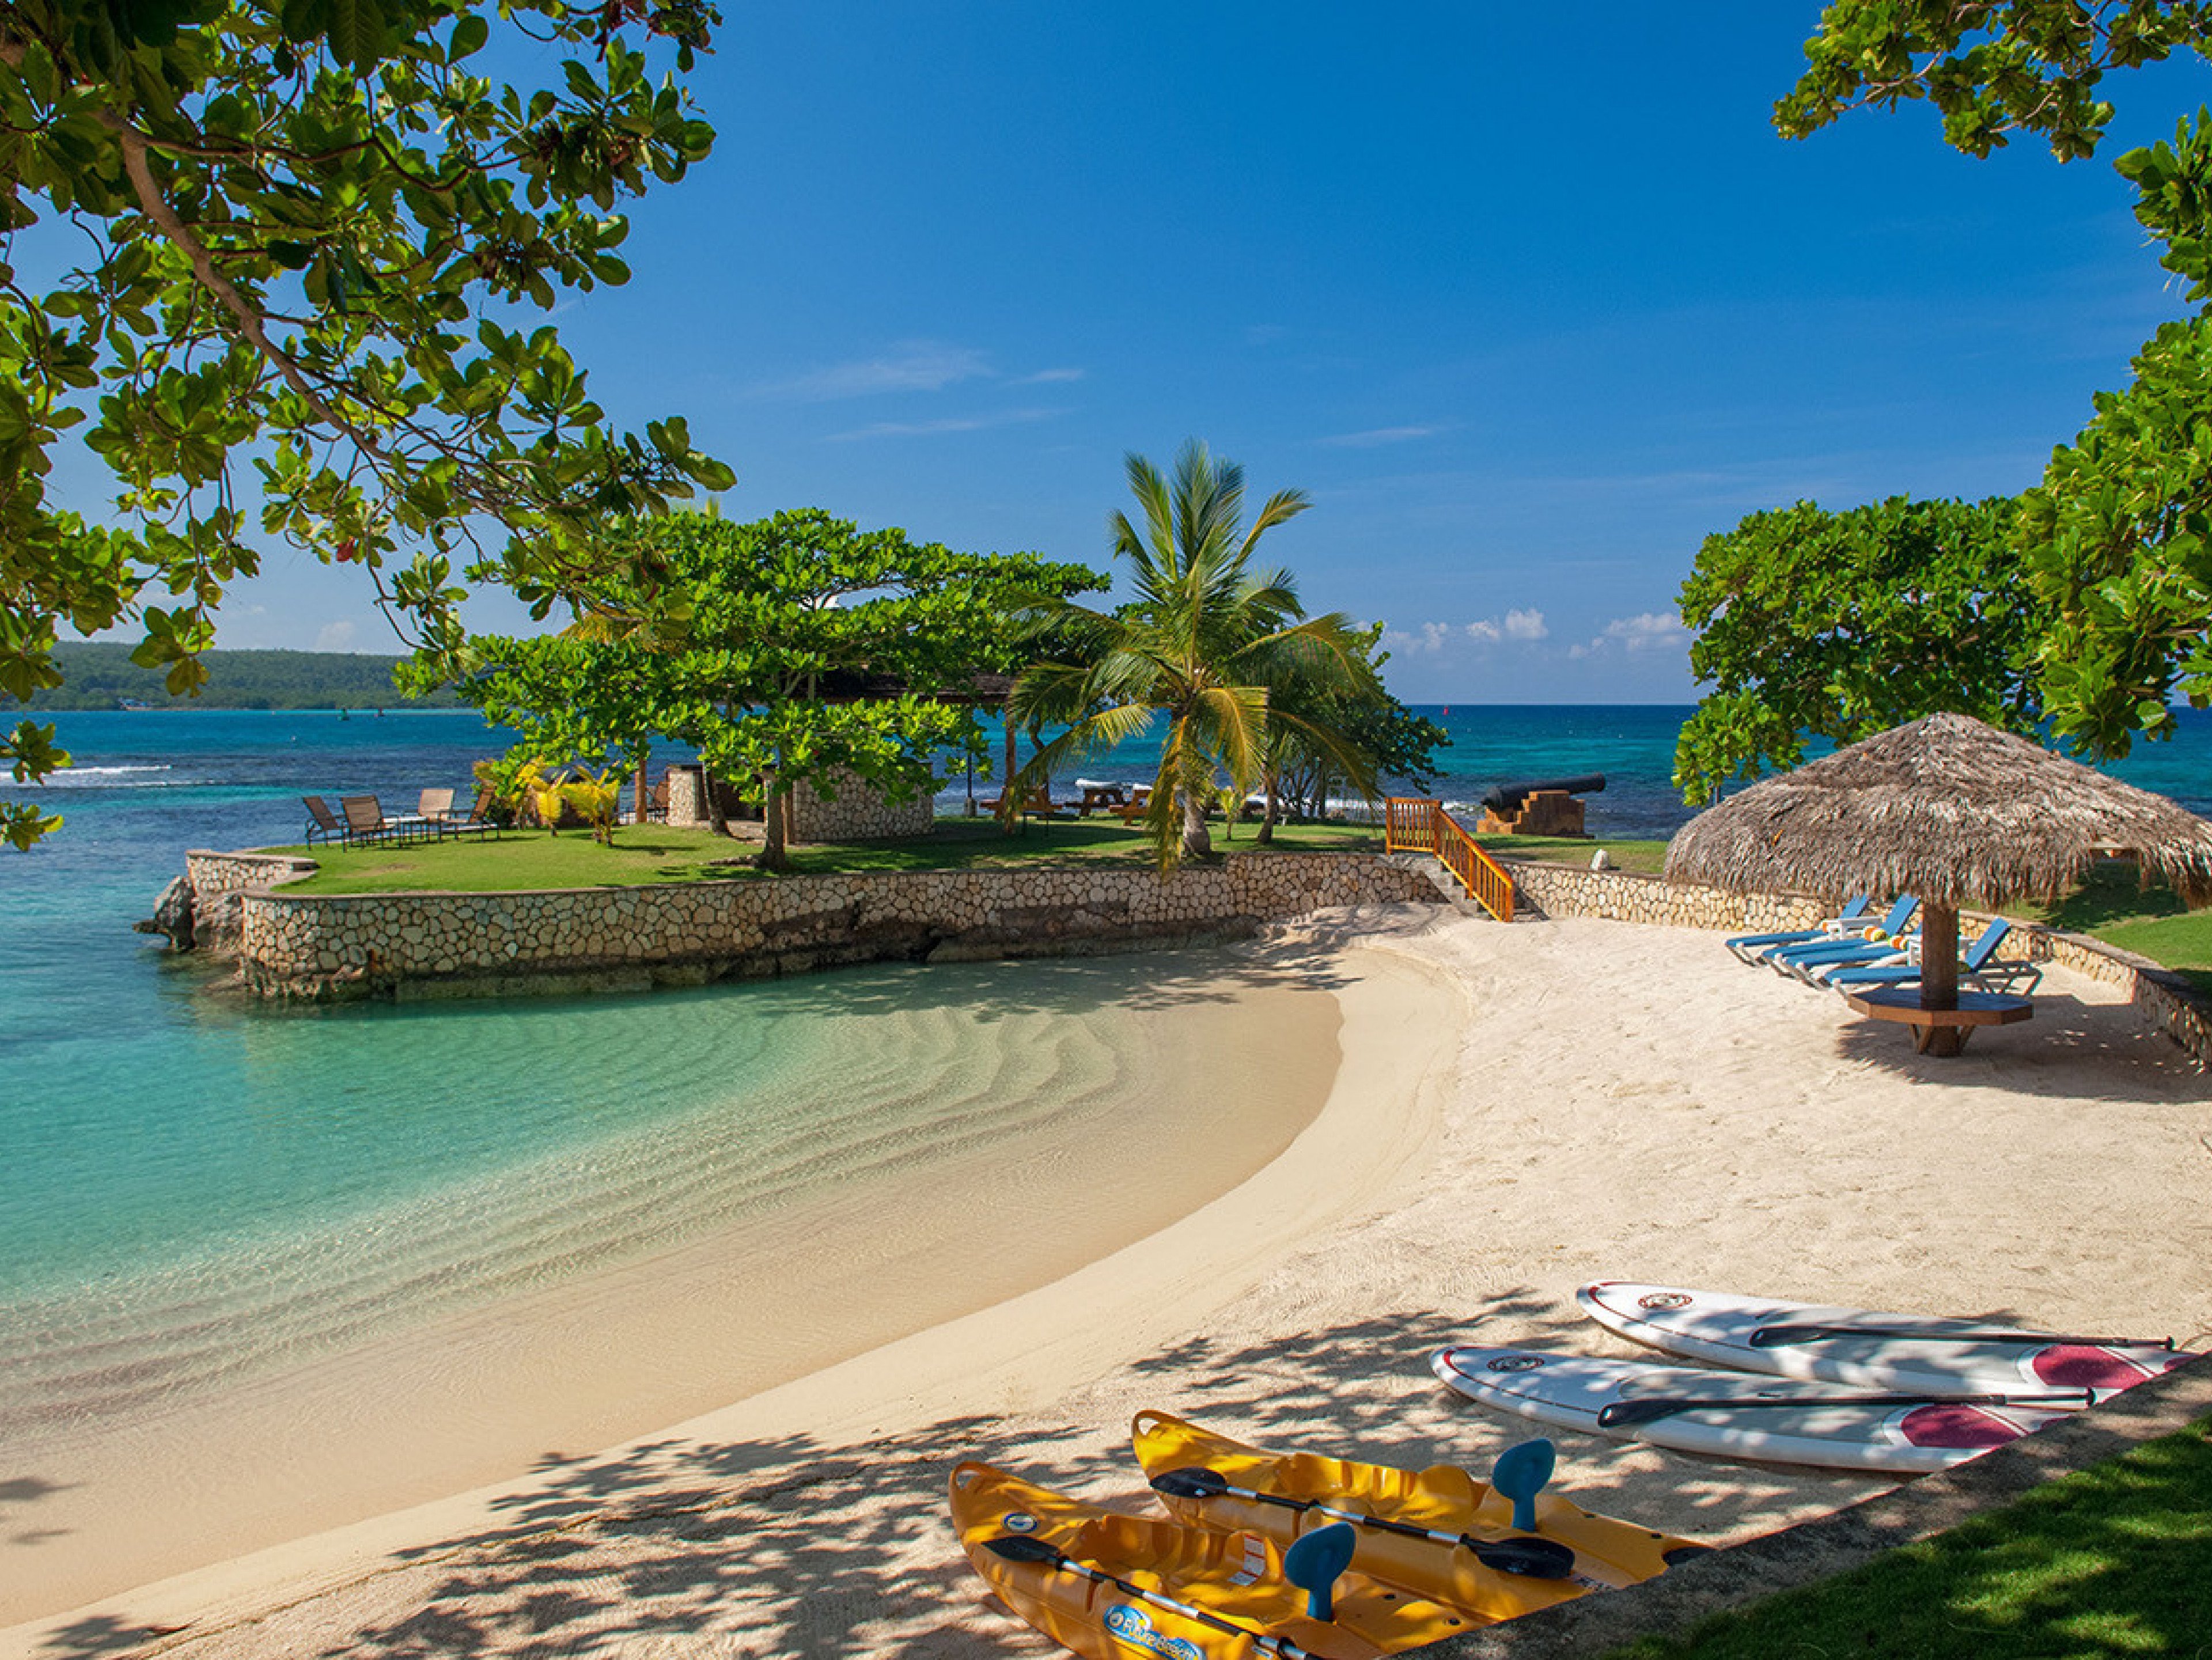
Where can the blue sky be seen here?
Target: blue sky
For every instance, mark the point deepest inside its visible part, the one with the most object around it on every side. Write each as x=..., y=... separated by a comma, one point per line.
x=1528, y=313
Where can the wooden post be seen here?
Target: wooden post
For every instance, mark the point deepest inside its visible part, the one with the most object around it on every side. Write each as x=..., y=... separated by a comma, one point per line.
x=644, y=764
x=1939, y=972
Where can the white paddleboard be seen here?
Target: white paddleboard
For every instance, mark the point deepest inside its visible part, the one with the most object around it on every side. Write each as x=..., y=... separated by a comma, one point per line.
x=1779, y=1420
x=1896, y=1352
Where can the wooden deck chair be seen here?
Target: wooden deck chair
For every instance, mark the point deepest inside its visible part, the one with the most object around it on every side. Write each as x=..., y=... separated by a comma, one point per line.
x=323, y=824
x=365, y=821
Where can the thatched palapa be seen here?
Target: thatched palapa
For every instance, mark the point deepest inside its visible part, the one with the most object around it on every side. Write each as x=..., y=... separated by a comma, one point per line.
x=1946, y=808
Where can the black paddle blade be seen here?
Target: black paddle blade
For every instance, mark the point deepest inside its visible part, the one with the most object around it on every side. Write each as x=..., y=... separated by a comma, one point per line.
x=1531, y=1558
x=1020, y=1547
x=1191, y=1483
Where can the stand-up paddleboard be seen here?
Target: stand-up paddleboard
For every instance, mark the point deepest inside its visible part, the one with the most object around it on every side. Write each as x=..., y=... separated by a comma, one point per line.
x=1118, y=1587
x=1439, y=1532
x=1868, y=1350
x=1736, y=1415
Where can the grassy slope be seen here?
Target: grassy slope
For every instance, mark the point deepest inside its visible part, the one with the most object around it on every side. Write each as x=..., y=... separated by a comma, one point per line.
x=2112, y=1563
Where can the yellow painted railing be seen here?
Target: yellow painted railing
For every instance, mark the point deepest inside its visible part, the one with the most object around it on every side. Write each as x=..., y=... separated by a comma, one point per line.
x=1419, y=823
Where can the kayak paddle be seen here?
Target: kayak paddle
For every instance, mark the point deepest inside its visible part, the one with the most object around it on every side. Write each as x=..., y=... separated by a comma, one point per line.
x=1534, y=1559
x=1622, y=1413
x=1023, y=1548
x=1775, y=1337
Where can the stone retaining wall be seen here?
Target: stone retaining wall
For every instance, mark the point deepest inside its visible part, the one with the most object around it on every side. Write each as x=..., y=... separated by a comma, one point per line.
x=211, y=873
x=487, y=944
x=2167, y=1000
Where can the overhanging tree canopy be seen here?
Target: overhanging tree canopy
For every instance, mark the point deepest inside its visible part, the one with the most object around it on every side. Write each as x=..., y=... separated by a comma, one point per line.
x=2118, y=537
x=304, y=236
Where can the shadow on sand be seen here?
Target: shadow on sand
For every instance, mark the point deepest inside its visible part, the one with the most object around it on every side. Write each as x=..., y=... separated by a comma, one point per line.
x=787, y=1547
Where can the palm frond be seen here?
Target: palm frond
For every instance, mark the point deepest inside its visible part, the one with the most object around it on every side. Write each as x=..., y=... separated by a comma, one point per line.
x=1235, y=719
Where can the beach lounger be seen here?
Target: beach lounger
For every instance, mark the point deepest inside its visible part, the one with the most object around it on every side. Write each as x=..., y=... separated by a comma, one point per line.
x=1878, y=941
x=1976, y=967
x=323, y=824
x=1751, y=947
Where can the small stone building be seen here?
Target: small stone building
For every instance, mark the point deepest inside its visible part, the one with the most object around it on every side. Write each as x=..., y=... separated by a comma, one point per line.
x=859, y=812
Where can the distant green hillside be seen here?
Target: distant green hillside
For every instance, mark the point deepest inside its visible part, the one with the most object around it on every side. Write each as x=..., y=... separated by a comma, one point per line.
x=99, y=674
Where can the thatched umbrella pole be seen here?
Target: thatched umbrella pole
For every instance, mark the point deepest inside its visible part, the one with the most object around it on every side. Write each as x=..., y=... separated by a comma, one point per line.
x=1939, y=956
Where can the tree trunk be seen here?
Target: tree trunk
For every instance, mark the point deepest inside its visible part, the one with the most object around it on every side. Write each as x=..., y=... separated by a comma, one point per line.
x=775, y=821
x=1197, y=840
x=711, y=800
x=1011, y=820
x=644, y=766
x=1266, y=836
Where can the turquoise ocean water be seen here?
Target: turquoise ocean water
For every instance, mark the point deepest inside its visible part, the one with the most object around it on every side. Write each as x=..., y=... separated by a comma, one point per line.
x=188, y=1187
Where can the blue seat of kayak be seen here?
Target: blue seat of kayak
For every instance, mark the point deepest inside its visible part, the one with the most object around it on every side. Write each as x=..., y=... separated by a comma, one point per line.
x=1750, y=946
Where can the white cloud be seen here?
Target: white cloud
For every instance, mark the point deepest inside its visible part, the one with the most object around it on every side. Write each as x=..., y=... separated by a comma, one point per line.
x=334, y=636
x=1524, y=626
x=1376, y=437
x=1047, y=378
x=948, y=423
x=910, y=366
x=1646, y=631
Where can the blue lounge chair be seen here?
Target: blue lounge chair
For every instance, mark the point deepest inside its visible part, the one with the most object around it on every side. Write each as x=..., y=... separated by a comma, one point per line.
x=1800, y=959
x=1751, y=947
x=1975, y=969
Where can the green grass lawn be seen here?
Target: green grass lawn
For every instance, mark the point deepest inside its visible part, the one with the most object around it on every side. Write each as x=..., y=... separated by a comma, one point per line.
x=1647, y=858
x=647, y=853
x=2115, y=907
x=2111, y=1563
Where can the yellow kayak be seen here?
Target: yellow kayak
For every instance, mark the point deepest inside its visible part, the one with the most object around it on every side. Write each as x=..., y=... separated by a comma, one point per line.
x=1427, y=1531
x=1116, y=1587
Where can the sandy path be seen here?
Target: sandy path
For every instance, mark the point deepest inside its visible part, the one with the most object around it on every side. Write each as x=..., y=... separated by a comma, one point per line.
x=1622, y=1102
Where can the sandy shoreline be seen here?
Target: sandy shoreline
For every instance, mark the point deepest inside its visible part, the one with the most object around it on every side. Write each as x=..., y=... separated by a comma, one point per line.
x=1624, y=1102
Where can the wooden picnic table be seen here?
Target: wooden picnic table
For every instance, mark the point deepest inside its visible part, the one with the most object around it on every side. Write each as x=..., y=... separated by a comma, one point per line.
x=1941, y=1031
x=1100, y=795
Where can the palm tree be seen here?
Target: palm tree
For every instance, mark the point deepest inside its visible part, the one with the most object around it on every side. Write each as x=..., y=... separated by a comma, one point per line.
x=1201, y=643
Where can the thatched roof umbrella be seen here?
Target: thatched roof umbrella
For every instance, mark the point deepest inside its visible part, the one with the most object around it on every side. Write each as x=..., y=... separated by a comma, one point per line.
x=1950, y=810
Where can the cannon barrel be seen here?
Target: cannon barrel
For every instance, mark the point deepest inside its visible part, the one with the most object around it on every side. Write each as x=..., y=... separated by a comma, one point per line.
x=1506, y=798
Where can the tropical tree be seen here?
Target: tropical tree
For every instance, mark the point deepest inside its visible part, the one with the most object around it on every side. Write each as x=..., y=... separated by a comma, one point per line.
x=1201, y=645
x=1395, y=743
x=301, y=240
x=1839, y=625
x=2118, y=536
x=796, y=649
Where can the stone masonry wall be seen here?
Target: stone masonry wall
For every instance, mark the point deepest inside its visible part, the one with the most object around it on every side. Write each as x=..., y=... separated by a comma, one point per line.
x=211, y=873
x=2167, y=1001
x=462, y=945
x=858, y=813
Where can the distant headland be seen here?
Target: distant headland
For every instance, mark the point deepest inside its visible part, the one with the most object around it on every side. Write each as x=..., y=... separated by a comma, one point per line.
x=101, y=676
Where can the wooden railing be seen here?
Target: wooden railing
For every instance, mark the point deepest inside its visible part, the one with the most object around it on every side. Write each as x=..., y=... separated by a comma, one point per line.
x=1419, y=823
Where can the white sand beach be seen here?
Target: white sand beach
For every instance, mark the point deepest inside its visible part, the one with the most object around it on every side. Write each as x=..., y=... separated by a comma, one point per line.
x=1518, y=1110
